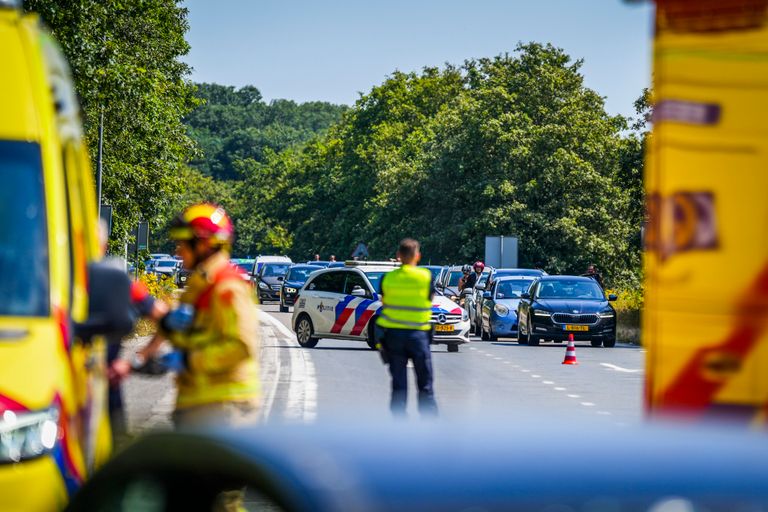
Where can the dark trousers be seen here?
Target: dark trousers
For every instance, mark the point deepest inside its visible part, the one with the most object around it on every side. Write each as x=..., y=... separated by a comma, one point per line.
x=402, y=345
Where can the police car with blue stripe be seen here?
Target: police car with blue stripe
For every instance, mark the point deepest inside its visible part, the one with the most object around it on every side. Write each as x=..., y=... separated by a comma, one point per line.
x=343, y=303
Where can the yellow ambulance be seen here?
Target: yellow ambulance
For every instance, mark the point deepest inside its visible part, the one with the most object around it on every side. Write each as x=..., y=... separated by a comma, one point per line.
x=705, y=322
x=53, y=417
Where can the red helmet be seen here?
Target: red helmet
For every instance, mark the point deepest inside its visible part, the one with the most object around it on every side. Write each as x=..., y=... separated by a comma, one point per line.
x=204, y=221
x=478, y=265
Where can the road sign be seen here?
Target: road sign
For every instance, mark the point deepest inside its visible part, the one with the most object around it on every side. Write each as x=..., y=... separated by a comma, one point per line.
x=501, y=251
x=361, y=251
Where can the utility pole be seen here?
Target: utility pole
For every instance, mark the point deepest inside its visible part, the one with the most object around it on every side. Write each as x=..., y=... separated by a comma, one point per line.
x=99, y=158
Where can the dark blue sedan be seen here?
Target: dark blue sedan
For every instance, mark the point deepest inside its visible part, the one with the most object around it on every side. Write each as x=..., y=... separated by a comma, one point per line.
x=557, y=307
x=499, y=309
x=295, y=278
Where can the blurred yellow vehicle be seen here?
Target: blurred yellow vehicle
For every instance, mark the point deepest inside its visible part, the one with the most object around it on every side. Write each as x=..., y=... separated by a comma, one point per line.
x=706, y=313
x=54, y=426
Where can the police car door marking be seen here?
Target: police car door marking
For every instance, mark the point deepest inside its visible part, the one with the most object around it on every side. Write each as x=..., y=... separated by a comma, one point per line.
x=342, y=313
x=362, y=315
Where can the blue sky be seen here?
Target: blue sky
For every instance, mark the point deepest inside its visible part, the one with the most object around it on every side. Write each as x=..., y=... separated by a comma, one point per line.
x=331, y=51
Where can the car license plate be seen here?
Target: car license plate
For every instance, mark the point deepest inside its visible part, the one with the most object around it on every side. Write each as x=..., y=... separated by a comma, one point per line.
x=443, y=328
x=576, y=327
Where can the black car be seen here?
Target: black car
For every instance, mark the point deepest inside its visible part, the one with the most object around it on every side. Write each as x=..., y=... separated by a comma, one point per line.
x=295, y=278
x=269, y=280
x=181, y=276
x=557, y=306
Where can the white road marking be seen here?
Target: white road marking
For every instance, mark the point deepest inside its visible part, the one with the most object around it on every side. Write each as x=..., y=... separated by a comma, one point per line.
x=619, y=368
x=525, y=371
x=561, y=389
x=604, y=413
x=497, y=358
x=574, y=396
x=587, y=404
x=536, y=376
x=301, y=404
x=548, y=382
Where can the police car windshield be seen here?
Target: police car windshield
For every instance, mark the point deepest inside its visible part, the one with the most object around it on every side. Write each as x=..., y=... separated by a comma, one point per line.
x=375, y=279
x=24, y=237
x=299, y=274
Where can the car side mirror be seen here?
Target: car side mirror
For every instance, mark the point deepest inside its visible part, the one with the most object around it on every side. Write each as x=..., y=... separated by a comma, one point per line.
x=612, y=297
x=358, y=291
x=525, y=295
x=110, y=312
x=486, y=295
x=280, y=278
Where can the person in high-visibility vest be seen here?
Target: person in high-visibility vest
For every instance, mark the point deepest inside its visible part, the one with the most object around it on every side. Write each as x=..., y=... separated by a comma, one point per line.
x=214, y=330
x=405, y=319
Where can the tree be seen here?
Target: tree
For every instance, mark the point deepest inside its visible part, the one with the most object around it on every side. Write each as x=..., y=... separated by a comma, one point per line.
x=125, y=59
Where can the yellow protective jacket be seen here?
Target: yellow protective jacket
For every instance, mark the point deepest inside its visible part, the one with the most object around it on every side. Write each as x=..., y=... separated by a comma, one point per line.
x=222, y=345
x=406, y=299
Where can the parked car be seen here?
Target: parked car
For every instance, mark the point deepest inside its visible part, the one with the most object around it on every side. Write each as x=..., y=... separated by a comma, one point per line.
x=244, y=265
x=270, y=279
x=343, y=303
x=260, y=260
x=499, y=310
x=165, y=268
x=558, y=306
x=295, y=278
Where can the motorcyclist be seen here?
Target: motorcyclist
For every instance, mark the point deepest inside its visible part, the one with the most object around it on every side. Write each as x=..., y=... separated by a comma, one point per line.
x=466, y=270
x=474, y=277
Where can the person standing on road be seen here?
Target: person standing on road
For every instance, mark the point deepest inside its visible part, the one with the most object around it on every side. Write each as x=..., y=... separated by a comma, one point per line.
x=405, y=319
x=594, y=274
x=216, y=349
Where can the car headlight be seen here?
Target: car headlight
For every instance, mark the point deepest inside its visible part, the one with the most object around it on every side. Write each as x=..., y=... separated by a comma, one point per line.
x=25, y=435
x=501, y=309
x=542, y=313
x=263, y=285
x=288, y=289
x=607, y=314
x=464, y=315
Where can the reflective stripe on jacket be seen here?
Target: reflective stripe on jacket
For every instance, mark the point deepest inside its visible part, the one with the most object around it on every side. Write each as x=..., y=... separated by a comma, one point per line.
x=222, y=344
x=406, y=299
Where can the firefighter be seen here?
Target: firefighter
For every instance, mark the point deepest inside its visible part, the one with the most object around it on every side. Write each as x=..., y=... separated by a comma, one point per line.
x=214, y=329
x=407, y=331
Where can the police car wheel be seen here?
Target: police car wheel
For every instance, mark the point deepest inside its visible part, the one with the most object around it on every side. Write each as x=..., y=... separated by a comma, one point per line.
x=304, y=332
x=453, y=347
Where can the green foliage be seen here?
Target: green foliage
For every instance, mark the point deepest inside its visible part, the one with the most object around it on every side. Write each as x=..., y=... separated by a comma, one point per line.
x=125, y=58
x=512, y=145
x=236, y=125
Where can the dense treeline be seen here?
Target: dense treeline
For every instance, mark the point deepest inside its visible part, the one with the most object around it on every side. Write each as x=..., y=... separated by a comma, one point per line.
x=512, y=145
x=125, y=60
x=234, y=126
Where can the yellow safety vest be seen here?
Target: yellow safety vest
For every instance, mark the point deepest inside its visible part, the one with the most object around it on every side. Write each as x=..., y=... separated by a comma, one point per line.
x=406, y=299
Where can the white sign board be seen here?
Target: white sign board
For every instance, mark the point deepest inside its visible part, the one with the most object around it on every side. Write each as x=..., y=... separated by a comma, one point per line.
x=501, y=251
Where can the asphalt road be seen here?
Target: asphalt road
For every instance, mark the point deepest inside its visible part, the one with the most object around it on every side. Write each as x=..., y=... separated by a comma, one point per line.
x=500, y=381
x=493, y=381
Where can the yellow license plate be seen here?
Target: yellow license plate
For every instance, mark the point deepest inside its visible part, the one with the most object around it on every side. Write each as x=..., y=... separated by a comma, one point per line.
x=443, y=328
x=576, y=327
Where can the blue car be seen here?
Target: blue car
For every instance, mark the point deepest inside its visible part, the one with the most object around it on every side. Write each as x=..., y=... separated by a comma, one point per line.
x=499, y=310
x=295, y=278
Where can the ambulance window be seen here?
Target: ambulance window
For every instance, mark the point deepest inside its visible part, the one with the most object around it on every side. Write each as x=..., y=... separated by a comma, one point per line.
x=24, y=280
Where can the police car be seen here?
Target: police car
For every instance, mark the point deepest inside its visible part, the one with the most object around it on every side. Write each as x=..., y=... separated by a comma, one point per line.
x=343, y=303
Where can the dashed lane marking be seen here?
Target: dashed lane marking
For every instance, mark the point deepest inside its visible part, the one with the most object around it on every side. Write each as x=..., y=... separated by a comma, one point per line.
x=619, y=368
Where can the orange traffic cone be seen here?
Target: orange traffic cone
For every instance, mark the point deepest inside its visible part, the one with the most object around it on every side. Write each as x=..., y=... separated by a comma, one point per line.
x=570, y=352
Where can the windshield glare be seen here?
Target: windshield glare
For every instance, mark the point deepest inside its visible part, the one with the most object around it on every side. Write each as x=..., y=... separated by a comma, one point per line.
x=275, y=269
x=582, y=290
x=299, y=274
x=512, y=289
